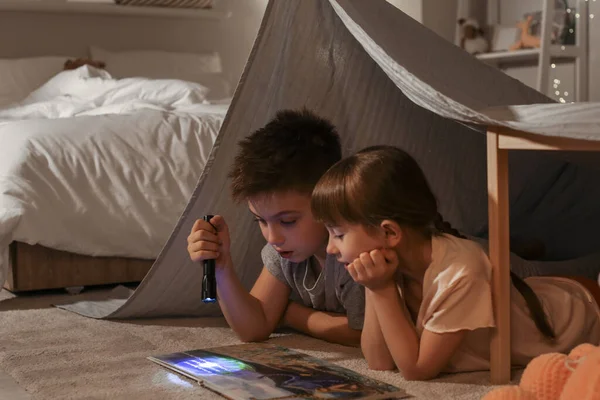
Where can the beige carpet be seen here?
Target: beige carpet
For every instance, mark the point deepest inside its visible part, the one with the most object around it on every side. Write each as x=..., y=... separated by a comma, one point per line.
x=54, y=354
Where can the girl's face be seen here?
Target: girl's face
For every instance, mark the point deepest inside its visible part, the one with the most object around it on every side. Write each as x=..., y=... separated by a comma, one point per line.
x=348, y=241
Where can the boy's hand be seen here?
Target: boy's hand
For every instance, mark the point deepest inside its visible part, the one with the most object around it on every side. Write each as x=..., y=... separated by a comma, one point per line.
x=210, y=241
x=374, y=270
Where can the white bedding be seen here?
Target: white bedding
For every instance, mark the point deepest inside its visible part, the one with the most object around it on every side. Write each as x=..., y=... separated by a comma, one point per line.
x=99, y=166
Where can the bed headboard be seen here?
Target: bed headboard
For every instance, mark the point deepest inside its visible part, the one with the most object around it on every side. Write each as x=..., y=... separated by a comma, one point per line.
x=36, y=33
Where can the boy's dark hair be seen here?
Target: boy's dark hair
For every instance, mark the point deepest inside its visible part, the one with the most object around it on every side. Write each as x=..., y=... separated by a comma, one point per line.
x=291, y=152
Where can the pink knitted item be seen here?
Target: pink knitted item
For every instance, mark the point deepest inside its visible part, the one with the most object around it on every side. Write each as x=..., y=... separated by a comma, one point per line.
x=585, y=381
x=546, y=375
x=509, y=393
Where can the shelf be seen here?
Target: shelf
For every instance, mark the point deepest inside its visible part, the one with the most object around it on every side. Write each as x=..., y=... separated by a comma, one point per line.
x=556, y=51
x=107, y=8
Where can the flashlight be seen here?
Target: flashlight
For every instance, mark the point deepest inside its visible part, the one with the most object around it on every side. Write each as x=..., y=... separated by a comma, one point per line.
x=209, y=282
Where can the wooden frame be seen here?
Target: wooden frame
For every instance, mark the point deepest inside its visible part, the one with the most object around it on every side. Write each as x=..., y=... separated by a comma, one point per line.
x=40, y=268
x=499, y=141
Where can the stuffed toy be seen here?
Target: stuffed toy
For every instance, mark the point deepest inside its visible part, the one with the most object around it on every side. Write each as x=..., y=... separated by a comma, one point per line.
x=526, y=40
x=555, y=376
x=74, y=64
x=472, y=38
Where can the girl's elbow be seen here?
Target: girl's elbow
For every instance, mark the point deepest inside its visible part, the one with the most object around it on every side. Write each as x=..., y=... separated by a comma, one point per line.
x=417, y=375
x=249, y=337
x=381, y=365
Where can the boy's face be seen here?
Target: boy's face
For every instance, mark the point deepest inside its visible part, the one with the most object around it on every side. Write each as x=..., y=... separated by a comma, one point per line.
x=287, y=224
x=348, y=241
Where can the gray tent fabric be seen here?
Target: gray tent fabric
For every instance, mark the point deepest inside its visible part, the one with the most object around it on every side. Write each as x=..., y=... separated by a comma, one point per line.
x=381, y=78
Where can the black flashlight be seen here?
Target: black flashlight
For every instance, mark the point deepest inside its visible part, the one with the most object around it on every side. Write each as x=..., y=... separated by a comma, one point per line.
x=209, y=282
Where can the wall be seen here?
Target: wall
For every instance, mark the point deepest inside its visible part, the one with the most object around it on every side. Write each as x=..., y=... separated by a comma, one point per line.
x=238, y=32
x=413, y=8
x=71, y=34
x=437, y=15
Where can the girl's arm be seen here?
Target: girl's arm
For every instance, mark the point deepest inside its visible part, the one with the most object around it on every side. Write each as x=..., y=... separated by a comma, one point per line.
x=331, y=327
x=417, y=359
x=372, y=341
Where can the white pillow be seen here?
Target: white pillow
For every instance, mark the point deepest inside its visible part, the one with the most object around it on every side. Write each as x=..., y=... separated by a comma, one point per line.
x=205, y=69
x=84, y=81
x=21, y=76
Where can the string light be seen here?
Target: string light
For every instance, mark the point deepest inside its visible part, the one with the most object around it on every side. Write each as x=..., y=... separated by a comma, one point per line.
x=562, y=100
x=553, y=65
x=566, y=93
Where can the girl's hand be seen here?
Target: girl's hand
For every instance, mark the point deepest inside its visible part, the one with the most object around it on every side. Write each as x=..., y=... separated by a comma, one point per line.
x=210, y=241
x=374, y=270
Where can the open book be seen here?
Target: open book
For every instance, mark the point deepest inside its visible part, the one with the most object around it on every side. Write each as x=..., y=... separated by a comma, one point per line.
x=265, y=371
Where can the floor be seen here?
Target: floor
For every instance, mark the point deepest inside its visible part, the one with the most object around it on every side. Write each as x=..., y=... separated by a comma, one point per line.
x=10, y=390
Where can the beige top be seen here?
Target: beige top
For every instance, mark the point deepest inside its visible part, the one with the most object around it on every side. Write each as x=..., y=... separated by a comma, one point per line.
x=457, y=295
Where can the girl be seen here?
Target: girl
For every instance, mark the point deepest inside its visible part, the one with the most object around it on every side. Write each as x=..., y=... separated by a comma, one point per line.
x=427, y=289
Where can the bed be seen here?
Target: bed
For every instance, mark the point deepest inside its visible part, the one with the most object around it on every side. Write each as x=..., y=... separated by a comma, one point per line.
x=97, y=164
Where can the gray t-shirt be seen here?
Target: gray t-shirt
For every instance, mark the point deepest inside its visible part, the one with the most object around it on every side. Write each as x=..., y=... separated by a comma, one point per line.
x=333, y=290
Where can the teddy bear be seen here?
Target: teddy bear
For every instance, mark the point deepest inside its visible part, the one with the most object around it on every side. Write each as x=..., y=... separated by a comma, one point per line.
x=74, y=64
x=557, y=376
x=472, y=38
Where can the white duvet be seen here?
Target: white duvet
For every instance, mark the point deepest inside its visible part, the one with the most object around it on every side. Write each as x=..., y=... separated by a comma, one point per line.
x=99, y=166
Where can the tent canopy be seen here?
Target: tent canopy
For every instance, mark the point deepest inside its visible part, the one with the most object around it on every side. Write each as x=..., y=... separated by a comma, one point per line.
x=381, y=78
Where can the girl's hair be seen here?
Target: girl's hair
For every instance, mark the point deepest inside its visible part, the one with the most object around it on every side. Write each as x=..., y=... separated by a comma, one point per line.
x=385, y=182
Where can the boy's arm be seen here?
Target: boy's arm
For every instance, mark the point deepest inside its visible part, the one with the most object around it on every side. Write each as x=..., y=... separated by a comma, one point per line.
x=331, y=327
x=252, y=316
x=372, y=342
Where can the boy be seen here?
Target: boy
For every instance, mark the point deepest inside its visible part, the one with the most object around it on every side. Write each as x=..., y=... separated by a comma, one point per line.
x=275, y=171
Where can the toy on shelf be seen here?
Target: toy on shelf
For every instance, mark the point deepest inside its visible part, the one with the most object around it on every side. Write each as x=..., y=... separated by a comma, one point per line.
x=472, y=38
x=526, y=39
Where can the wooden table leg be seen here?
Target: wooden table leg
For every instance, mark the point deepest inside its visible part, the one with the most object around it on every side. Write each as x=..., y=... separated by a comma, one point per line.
x=497, y=167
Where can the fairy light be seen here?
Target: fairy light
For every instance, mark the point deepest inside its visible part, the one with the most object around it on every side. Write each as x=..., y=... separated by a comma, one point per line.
x=562, y=47
x=555, y=86
x=566, y=94
x=568, y=11
x=577, y=15
x=562, y=100
x=557, y=93
x=553, y=65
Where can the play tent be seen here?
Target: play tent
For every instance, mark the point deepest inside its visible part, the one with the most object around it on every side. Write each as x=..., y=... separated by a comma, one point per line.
x=382, y=78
